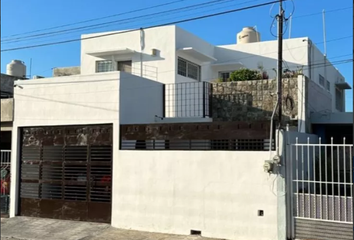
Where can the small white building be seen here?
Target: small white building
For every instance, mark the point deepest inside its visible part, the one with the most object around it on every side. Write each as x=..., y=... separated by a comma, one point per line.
x=172, y=55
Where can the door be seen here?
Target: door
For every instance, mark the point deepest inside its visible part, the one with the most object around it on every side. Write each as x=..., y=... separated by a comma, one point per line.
x=320, y=189
x=66, y=172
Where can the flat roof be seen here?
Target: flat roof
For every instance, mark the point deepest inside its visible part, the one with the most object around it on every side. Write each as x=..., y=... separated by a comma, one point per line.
x=197, y=54
x=110, y=52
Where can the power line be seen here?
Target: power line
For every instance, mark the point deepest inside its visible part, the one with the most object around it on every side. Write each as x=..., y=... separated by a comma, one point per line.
x=145, y=23
x=122, y=21
x=96, y=19
x=133, y=30
x=288, y=49
x=130, y=19
x=318, y=13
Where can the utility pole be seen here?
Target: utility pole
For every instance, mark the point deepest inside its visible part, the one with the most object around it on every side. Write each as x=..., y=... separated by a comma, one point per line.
x=280, y=18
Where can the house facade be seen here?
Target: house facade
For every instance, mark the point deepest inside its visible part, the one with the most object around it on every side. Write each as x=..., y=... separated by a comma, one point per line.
x=142, y=139
x=172, y=55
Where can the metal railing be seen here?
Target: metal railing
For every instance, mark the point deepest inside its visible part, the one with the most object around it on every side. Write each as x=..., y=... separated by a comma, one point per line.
x=145, y=71
x=5, y=162
x=189, y=99
x=322, y=181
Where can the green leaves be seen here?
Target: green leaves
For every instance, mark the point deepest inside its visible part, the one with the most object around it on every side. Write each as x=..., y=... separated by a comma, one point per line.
x=245, y=75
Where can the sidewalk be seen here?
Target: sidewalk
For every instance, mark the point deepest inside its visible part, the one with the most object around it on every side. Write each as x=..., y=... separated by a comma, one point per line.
x=24, y=228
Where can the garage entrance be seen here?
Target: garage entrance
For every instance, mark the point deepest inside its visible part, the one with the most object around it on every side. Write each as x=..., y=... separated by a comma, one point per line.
x=66, y=172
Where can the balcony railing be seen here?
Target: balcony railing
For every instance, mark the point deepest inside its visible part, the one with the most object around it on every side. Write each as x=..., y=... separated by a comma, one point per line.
x=189, y=99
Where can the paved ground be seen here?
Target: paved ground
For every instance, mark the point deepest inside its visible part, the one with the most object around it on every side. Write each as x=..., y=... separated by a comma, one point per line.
x=24, y=228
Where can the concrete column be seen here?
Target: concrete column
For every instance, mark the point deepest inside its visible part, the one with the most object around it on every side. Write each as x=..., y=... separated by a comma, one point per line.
x=302, y=112
x=15, y=172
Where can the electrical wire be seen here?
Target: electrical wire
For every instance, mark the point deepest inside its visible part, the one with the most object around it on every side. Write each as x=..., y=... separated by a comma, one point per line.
x=122, y=21
x=149, y=27
x=268, y=53
x=96, y=19
x=292, y=12
x=333, y=10
x=145, y=23
x=318, y=13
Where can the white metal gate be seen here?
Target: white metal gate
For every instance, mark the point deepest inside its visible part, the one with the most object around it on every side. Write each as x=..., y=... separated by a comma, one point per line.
x=5, y=161
x=321, y=187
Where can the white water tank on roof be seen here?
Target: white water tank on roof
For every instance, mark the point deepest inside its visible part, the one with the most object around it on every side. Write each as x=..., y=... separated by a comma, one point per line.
x=248, y=35
x=16, y=68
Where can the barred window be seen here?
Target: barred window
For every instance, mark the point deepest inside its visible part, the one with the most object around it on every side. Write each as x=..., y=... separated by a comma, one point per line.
x=328, y=86
x=188, y=69
x=104, y=66
x=339, y=100
x=321, y=80
x=224, y=76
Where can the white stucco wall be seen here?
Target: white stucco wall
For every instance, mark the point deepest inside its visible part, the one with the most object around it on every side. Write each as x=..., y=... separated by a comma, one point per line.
x=252, y=55
x=185, y=39
x=140, y=99
x=322, y=66
x=103, y=98
x=160, y=67
x=72, y=100
x=216, y=192
x=319, y=99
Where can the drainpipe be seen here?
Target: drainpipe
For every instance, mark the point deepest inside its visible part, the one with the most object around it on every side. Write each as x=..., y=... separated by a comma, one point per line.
x=310, y=50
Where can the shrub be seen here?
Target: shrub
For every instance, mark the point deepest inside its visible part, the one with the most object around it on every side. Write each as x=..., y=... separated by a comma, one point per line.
x=245, y=75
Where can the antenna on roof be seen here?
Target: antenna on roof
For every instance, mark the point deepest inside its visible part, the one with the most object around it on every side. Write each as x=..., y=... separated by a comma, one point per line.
x=290, y=21
x=30, y=70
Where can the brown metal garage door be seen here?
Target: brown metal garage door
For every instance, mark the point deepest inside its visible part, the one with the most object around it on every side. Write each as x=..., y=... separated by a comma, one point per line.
x=66, y=172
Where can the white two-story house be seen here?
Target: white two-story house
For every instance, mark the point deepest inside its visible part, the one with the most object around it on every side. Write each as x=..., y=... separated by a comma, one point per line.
x=172, y=55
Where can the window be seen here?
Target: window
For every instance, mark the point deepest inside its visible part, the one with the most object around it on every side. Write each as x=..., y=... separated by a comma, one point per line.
x=339, y=100
x=188, y=69
x=328, y=86
x=104, y=66
x=321, y=80
x=125, y=66
x=224, y=76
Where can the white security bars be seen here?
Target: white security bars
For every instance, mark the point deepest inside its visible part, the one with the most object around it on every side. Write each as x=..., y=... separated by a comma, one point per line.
x=323, y=181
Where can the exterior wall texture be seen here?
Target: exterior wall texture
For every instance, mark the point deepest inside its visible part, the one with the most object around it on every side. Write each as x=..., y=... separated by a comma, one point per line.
x=329, y=72
x=82, y=100
x=66, y=71
x=216, y=192
x=7, y=109
x=316, y=92
x=252, y=100
x=140, y=99
x=159, y=67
